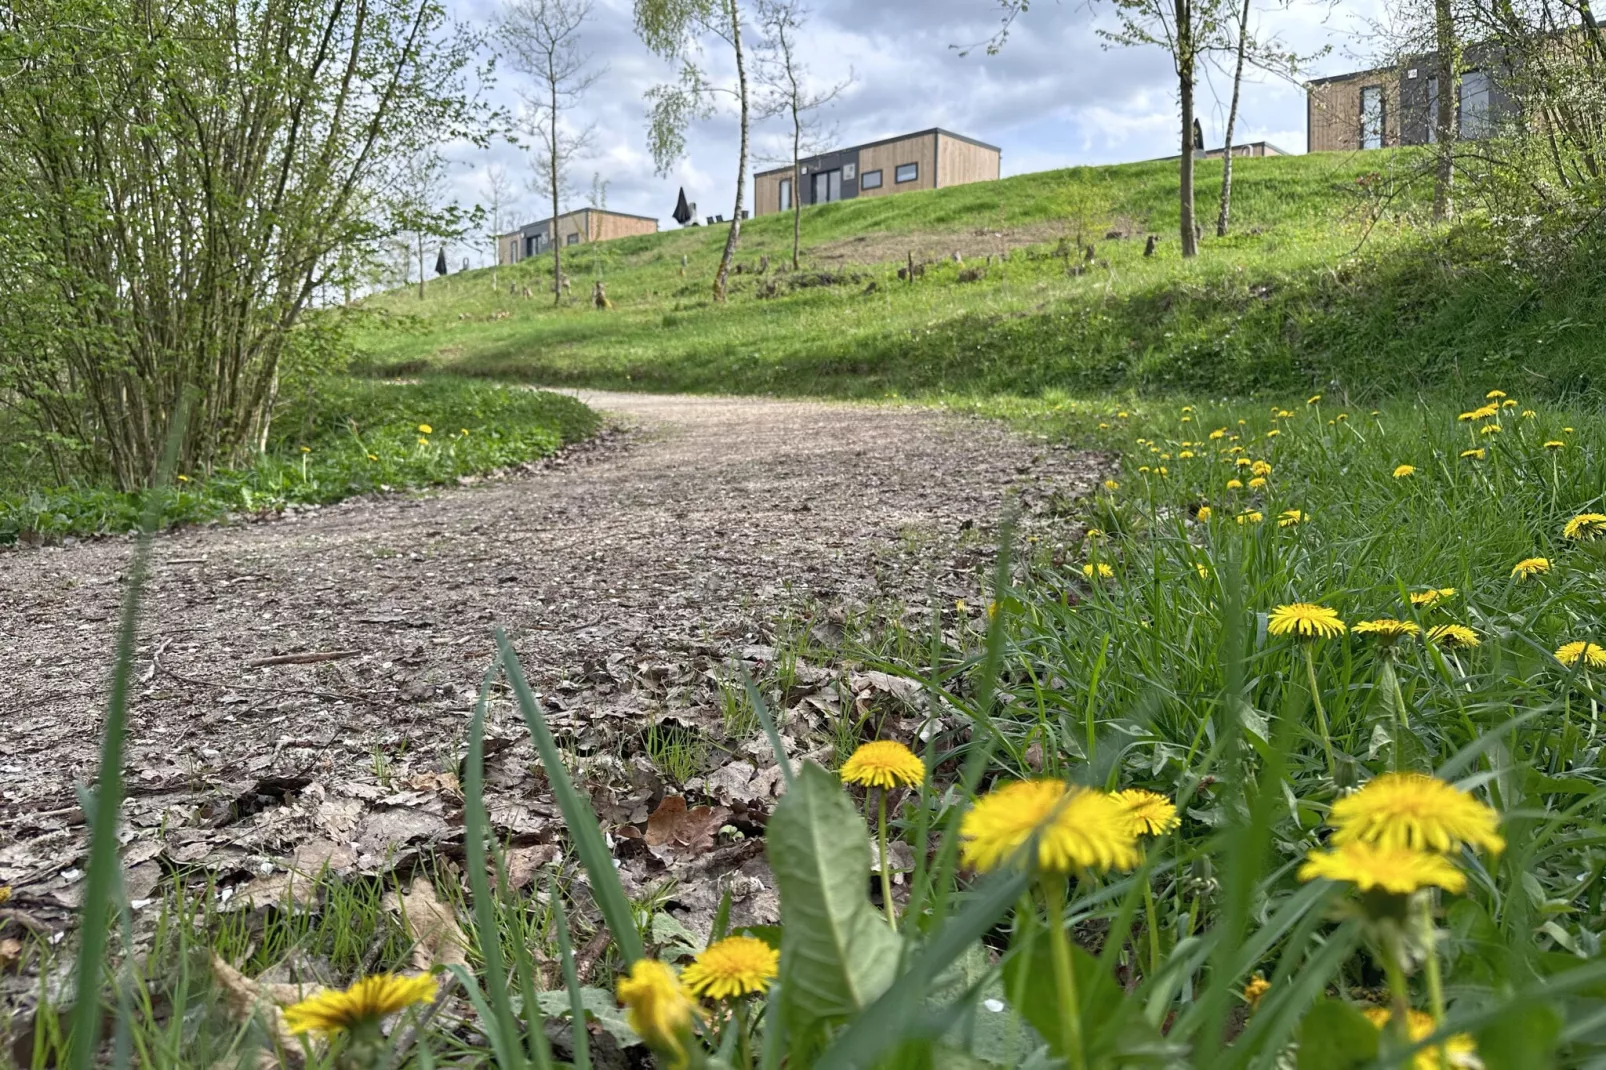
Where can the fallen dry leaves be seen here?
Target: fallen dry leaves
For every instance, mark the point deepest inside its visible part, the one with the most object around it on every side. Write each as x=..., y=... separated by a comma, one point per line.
x=437, y=938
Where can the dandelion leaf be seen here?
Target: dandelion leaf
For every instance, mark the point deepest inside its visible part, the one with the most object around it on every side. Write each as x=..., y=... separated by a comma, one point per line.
x=837, y=953
x=1336, y=1036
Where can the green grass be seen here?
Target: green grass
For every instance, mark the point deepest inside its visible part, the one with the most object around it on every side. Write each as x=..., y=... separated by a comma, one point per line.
x=1320, y=285
x=337, y=439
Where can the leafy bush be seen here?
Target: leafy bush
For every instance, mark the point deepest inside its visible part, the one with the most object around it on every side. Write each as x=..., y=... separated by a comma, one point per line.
x=337, y=438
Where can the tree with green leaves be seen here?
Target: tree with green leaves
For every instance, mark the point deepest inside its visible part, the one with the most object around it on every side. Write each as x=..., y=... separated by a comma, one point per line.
x=677, y=30
x=180, y=179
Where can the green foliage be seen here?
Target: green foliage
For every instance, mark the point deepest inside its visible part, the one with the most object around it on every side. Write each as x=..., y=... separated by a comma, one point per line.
x=336, y=438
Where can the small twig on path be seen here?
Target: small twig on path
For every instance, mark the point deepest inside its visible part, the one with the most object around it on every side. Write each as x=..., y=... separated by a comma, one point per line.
x=302, y=659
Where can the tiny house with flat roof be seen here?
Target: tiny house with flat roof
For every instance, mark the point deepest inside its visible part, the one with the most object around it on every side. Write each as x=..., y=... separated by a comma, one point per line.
x=927, y=159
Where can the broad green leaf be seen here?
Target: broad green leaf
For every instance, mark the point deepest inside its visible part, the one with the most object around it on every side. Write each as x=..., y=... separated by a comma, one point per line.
x=837, y=953
x=600, y=1006
x=1336, y=1036
x=1520, y=1039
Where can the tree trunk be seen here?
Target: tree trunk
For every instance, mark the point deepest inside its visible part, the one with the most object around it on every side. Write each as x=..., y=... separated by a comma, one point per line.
x=723, y=275
x=1449, y=90
x=420, y=236
x=552, y=158
x=1184, y=14
x=797, y=183
x=1232, y=122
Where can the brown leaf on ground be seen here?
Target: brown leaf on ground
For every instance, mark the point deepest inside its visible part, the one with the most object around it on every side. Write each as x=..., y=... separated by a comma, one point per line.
x=246, y=999
x=675, y=833
x=523, y=863
x=437, y=938
x=10, y=953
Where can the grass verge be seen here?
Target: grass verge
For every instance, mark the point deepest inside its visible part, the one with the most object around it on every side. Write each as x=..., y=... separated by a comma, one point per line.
x=337, y=439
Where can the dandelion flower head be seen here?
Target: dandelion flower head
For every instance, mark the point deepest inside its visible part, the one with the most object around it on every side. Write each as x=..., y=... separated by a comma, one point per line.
x=658, y=1006
x=364, y=1003
x=1152, y=814
x=1460, y=1051
x=885, y=764
x=1416, y=811
x=1403, y=470
x=732, y=967
x=1587, y=654
x=1585, y=526
x=1395, y=870
x=1387, y=630
x=1452, y=635
x=1529, y=567
x=1077, y=828
x=1305, y=620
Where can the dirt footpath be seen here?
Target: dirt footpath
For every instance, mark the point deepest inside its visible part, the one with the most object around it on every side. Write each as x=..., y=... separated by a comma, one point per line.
x=626, y=575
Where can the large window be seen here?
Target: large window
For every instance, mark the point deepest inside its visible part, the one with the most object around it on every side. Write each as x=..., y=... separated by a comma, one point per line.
x=827, y=187
x=870, y=180
x=574, y=239
x=906, y=172
x=786, y=194
x=1475, y=119
x=1372, y=117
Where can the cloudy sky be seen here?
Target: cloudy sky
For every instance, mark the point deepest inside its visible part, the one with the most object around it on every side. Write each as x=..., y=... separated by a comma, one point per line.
x=1055, y=96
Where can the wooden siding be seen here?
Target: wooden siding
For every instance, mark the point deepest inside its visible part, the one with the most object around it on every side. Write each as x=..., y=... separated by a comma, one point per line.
x=959, y=162
x=1333, y=111
x=886, y=158
x=767, y=192
x=590, y=223
x=605, y=226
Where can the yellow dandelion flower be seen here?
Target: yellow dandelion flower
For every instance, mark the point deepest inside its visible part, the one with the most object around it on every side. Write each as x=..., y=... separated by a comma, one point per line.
x=1099, y=570
x=1273, y=433
x=885, y=764
x=1218, y=434
x=1590, y=655
x=422, y=441
x=1304, y=620
x=658, y=1006
x=1386, y=630
x=1494, y=395
x=373, y=456
x=1529, y=414
x=1453, y=635
x=961, y=605
x=363, y=1004
x=425, y=429
x=1403, y=470
x=1256, y=990
x=732, y=967
x=1486, y=412
x=1257, y=483
x=183, y=478
x=1567, y=430
x=1585, y=526
x=1260, y=468
x=1555, y=445
x=1432, y=596
x=1508, y=404
x=1490, y=429
x=1396, y=870
x=1162, y=470
x=1290, y=517
x=1183, y=455
x=1235, y=484
x=1076, y=828
x=1187, y=419
x=1313, y=399
x=1476, y=455
x=1122, y=415
x=1104, y=427
x=1341, y=417
x=1143, y=469
x=1529, y=567
x=1152, y=814
x=1094, y=533
x=1202, y=569
x=1284, y=414
x=1467, y=416
x=1415, y=811
x=306, y=449
x=1244, y=462
x=1460, y=1052
x=1203, y=515
x=1251, y=516
x=1235, y=449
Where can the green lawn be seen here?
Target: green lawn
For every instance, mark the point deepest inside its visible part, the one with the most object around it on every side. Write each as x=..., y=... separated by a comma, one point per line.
x=1319, y=285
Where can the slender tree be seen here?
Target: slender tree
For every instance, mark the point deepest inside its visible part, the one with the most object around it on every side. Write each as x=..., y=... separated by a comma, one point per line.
x=675, y=30
x=1448, y=47
x=542, y=40
x=785, y=81
x=498, y=189
x=1232, y=120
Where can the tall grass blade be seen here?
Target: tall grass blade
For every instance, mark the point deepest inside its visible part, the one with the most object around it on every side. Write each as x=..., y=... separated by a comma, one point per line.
x=577, y=815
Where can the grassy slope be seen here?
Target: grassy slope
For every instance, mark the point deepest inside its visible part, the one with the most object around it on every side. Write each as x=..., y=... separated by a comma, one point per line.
x=1285, y=303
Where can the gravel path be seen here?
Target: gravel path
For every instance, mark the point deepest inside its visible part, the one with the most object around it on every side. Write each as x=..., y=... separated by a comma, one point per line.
x=621, y=572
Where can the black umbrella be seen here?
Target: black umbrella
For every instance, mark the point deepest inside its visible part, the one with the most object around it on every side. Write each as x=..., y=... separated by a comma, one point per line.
x=1198, y=135
x=440, y=261
x=682, y=209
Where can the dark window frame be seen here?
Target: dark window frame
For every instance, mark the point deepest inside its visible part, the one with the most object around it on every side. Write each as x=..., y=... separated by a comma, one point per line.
x=897, y=174
x=1477, y=123
x=864, y=179
x=573, y=238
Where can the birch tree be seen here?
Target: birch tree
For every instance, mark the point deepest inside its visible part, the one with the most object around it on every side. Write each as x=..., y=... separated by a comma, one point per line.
x=676, y=30
x=498, y=189
x=542, y=40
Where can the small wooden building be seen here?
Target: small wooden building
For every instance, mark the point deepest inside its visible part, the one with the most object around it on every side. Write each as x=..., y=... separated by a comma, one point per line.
x=929, y=159
x=1399, y=105
x=582, y=225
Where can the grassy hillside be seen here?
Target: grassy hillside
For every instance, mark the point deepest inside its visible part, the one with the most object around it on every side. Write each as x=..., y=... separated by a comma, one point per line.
x=1320, y=284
